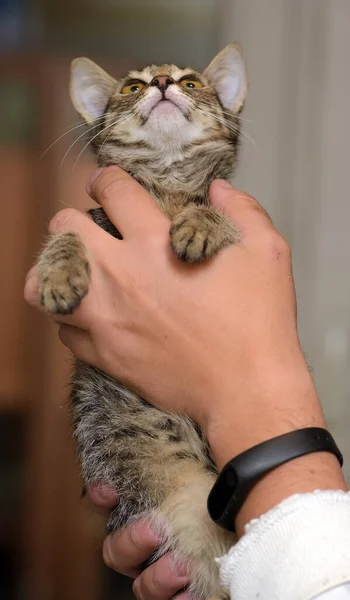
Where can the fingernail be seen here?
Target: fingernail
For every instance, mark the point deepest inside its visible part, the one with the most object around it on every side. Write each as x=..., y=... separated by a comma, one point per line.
x=186, y=596
x=102, y=495
x=107, y=493
x=225, y=185
x=152, y=532
x=92, y=180
x=178, y=567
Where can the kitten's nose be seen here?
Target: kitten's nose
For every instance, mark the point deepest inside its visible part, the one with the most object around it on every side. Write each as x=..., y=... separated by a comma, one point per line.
x=162, y=82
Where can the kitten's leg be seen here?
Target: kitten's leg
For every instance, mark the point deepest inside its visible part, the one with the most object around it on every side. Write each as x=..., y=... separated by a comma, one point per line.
x=184, y=526
x=192, y=534
x=159, y=465
x=63, y=274
x=199, y=232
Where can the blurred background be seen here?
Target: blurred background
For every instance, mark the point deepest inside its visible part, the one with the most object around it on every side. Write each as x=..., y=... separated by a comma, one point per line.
x=298, y=54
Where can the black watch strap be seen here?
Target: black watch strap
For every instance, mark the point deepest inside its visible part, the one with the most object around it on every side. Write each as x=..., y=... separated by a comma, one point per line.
x=240, y=475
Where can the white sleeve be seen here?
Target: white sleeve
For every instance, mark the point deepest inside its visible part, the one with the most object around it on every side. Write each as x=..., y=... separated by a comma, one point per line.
x=300, y=550
x=341, y=592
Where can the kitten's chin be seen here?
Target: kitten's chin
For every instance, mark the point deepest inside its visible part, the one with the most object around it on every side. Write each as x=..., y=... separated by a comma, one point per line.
x=165, y=119
x=166, y=108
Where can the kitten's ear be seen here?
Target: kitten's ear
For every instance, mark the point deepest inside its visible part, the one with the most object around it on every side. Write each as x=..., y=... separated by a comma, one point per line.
x=227, y=74
x=90, y=88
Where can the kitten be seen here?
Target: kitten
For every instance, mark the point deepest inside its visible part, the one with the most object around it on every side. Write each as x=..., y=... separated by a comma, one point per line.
x=174, y=130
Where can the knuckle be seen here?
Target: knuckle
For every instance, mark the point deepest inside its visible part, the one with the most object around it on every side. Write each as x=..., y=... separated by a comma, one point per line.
x=276, y=246
x=155, y=239
x=255, y=206
x=62, y=220
x=134, y=537
x=107, y=190
x=107, y=553
x=157, y=583
x=146, y=585
x=109, y=185
x=250, y=199
x=61, y=334
x=30, y=290
x=64, y=336
x=137, y=588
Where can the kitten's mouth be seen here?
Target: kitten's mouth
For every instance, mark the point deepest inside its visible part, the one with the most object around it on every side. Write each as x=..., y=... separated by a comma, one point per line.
x=165, y=106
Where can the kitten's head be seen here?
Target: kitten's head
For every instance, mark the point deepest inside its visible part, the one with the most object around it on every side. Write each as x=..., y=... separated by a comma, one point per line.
x=164, y=123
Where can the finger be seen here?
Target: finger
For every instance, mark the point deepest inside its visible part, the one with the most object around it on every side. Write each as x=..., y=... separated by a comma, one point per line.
x=102, y=496
x=242, y=209
x=127, y=550
x=31, y=289
x=128, y=205
x=185, y=596
x=70, y=336
x=67, y=220
x=78, y=341
x=32, y=297
x=162, y=580
x=71, y=220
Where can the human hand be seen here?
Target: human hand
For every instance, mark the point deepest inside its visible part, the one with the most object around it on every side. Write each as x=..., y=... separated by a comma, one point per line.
x=126, y=551
x=231, y=320
x=217, y=340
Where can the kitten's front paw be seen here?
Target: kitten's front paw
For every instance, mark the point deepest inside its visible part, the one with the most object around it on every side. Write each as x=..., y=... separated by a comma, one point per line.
x=62, y=290
x=64, y=275
x=190, y=242
x=197, y=233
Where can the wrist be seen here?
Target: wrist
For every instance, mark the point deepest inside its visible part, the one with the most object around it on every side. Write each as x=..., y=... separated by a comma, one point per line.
x=271, y=402
x=269, y=407
x=316, y=471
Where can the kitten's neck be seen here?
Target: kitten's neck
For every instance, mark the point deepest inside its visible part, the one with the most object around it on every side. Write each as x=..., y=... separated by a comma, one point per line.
x=175, y=181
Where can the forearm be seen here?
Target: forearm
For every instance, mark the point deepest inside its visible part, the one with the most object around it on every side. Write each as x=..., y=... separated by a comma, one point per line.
x=271, y=406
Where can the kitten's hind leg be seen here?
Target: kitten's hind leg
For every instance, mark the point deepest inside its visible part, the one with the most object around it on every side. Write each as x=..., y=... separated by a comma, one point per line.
x=199, y=232
x=63, y=274
x=183, y=523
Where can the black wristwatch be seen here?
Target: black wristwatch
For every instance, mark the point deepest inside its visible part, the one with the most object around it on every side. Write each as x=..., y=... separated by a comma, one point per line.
x=240, y=475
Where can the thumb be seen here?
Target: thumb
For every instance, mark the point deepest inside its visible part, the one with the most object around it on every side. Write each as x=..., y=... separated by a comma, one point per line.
x=127, y=204
x=241, y=208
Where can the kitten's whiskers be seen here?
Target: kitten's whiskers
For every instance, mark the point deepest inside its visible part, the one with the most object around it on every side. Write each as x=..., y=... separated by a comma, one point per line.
x=228, y=113
x=75, y=141
x=97, y=134
x=72, y=128
x=230, y=126
x=103, y=143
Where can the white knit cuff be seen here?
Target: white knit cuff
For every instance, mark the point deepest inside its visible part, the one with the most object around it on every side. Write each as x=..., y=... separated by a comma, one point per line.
x=296, y=551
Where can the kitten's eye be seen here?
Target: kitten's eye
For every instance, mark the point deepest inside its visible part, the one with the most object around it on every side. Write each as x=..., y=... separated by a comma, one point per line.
x=191, y=84
x=133, y=88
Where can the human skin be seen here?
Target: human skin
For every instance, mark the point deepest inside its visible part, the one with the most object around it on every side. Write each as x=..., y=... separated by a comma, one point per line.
x=217, y=341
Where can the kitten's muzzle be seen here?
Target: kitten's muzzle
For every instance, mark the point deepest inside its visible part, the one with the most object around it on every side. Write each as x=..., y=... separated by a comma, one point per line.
x=162, y=82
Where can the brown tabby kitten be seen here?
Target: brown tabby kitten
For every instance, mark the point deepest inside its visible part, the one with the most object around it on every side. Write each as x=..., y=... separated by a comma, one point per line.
x=174, y=130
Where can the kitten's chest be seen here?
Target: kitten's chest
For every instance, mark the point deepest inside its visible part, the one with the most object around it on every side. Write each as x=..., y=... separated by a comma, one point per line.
x=173, y=179
x=173, y=188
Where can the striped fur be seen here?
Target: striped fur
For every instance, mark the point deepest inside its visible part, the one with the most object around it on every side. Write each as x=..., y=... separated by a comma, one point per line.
x=159, y=463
